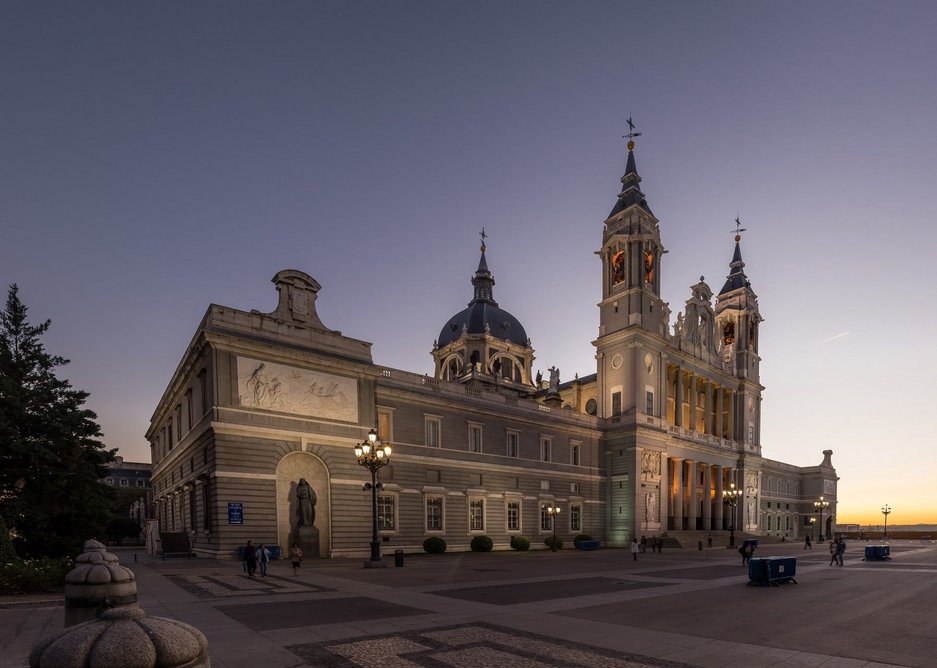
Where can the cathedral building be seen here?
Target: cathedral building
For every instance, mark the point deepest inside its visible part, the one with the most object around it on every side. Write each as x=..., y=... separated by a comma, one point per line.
x=648, y=444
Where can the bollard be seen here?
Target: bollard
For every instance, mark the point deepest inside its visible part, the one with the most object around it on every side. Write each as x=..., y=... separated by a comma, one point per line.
x=398, y=558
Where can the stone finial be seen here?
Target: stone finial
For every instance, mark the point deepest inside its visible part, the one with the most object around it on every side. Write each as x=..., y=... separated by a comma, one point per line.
x=124, y=637
x=96, y=580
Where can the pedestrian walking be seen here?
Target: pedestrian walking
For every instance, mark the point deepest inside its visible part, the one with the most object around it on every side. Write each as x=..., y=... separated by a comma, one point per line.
x=250, y=558
x=643, y=544
x=709, y=540
x=833, y=546
x=747, y=551
x=807, y=544
x=634, y=548
x=840, y=551
x=296, y=556
x=263, y=558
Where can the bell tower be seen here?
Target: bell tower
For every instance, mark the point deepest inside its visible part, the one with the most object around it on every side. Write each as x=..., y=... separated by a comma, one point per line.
x=631, y=310
x=737, y=324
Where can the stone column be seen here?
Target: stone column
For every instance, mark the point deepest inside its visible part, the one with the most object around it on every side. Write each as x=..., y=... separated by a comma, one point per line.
x=677, y=493
x=733, y=398
x=678, y=399
x=692, y=402
x=707, y=497
x=719, y=422
x=717, y=502
x=708, y=421
x=692, y=496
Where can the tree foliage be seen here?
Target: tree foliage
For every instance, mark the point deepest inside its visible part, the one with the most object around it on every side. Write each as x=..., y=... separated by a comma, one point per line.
x=50, y=458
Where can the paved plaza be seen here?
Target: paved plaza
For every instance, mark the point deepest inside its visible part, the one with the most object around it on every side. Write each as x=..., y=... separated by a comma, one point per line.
x=571, y=608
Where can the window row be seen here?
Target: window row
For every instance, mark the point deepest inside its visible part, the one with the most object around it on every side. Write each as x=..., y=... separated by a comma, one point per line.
x=478, y=508
x=511, y=447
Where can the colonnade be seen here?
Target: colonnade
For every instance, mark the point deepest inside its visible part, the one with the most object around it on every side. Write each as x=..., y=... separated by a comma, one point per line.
x=699, y=404
x=696, y=496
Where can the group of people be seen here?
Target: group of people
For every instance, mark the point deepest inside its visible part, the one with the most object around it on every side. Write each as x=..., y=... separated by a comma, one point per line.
x=255, y=557
x=656, y=544
x=837, y=550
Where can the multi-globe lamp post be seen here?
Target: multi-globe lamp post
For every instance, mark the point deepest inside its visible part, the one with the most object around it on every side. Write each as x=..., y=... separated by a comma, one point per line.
x=552, y=511
x=813, y=521
x=373, y=454
x=820, y=504
x=731, y=497
x=886, y=511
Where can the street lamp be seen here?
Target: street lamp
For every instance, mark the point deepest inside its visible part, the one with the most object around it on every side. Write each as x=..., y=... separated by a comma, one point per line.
x=373, y=454
x=732, y=496
x=820, y=504
x=886, y=511
x=813, y=521
x=552, y=511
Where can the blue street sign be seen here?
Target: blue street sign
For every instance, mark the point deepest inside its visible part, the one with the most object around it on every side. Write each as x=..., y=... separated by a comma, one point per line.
x=235, y=513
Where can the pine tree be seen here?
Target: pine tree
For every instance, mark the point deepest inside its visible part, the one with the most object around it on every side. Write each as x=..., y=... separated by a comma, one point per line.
x=50, y=458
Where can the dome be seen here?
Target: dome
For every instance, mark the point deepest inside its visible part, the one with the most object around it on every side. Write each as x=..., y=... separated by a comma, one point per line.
x=501, y=324
x=483, y=316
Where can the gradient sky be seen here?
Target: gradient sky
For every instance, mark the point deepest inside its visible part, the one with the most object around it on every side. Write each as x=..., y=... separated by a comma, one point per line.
x=158, y=157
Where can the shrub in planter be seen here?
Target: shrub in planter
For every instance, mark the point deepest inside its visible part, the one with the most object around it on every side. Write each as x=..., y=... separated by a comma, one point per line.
x=481, y=544
x=521, y=543
x=27, y=576
x=581, y=537
x=549, y=542
x=434, y=545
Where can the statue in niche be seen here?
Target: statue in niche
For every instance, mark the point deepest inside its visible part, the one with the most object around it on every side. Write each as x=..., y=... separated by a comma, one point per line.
x=554, y=379
x=752, y=520
x=703, y=337
x=650, y=506
x=618, y=267
x=306, y=504
x=678, y=327
x=751, y=482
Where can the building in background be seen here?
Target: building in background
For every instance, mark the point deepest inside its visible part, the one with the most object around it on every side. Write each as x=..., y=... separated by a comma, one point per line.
x=645, y=445
x=133, y=477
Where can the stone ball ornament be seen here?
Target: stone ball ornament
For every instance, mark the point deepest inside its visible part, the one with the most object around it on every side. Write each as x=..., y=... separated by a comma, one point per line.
x=123, y=638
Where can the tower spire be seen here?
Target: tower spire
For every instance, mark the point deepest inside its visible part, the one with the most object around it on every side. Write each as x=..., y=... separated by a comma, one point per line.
x=736, y=278
x=630, y=190
x=483, y=282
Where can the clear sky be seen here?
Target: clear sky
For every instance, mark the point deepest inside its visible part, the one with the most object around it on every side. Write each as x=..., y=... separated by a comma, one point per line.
x=159, y=157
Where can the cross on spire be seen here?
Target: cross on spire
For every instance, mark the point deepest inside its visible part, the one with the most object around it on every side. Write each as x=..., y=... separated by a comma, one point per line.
x=483, y=235
x=738, y=228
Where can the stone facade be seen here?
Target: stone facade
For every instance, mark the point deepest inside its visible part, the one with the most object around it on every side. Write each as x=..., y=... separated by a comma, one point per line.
x=646, y=445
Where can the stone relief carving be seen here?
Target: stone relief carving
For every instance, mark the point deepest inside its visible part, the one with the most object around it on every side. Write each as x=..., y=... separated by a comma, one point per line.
x=751, y=482
x=829, y=487
x=292, y=390
x=650, y=465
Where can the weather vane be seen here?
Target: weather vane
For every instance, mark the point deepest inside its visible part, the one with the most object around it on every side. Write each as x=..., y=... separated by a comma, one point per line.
x=631, y=133
x=738, y=228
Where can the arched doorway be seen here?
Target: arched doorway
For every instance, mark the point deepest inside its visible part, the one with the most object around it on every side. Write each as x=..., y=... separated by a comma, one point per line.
x=315, y=540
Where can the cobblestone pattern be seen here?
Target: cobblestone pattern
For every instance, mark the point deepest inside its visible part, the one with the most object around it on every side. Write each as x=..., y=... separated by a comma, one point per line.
x=224, y=586
x=468, y=646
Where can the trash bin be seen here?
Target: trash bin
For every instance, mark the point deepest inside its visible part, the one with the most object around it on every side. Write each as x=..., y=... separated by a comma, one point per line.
x=398, y=558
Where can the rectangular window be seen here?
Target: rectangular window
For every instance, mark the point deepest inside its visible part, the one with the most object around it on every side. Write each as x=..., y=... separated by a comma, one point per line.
x=574, y=487
x=513, y=444
x=546, y=447
x=189, y=413
x=514, y=515
x=477, y=515
x=206, y=506
x=192, y=509
x=751, y=433
x=203, y=392
x=169, y=433
x=178, y=421
x=649, y=402
x=433, y=428
x=616, y=403
x=434, y=513
x=140, y=483
x=575, y=518
x=546, y=520
x=386, y=513
x=123, y=482
x=475, y=438
x=574, y=449
x=385, y=424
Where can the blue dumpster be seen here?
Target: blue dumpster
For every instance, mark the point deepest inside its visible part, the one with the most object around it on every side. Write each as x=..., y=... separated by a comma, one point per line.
x=772, y=570
x=877, y=552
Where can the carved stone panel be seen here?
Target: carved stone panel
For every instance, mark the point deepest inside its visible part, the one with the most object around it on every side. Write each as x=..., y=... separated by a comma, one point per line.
x=289, y=389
